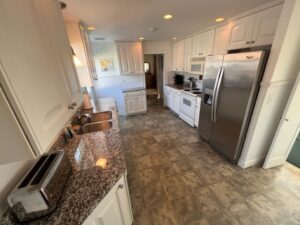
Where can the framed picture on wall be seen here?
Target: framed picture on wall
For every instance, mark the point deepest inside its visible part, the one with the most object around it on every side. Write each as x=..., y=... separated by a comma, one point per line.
x=106, y=65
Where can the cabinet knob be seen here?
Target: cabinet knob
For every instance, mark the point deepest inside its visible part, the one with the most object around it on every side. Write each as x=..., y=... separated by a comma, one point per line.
x=248, y=42
x=121, y=186
x=71, y=106
x=252, y=42
x=74, y=104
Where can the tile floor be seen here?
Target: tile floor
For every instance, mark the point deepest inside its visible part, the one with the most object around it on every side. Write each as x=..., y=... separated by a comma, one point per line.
x=177, y=179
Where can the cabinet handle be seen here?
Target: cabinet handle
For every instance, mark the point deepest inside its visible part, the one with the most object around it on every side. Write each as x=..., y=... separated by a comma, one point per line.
x=252, y=42
x=248, y=42
x=71, y=106
x=74, y=104
x=121, y=186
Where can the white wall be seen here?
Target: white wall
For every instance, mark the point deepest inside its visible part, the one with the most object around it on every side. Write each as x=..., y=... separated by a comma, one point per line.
x=110, y=84
x=280, y=74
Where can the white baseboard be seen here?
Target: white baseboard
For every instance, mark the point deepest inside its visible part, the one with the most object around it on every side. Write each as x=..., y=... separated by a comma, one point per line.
x=253, y=162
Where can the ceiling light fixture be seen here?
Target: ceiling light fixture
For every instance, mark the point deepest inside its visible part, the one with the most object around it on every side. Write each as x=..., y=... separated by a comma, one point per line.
x=219, y=19
x=168, y=16
x=141, y=38
x=174, y=38
x=90, y=28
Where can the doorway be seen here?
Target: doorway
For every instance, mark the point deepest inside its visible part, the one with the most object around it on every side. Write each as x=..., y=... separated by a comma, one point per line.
x=294, y=156
x=153, y=66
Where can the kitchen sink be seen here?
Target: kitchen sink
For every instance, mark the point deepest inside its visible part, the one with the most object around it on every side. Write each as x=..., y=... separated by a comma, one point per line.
x=99, y=117
x=94, y=127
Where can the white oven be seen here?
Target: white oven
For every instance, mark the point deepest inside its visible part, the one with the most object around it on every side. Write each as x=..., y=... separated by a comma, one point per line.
x=188, y=108
x=197, y=65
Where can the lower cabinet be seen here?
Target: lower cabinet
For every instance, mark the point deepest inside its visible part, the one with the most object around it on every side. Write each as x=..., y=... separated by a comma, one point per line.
x=173, y=99
x=135, y=102
x=115, y=208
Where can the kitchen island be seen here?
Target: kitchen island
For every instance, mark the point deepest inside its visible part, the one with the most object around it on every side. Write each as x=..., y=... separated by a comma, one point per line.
x=98, y=163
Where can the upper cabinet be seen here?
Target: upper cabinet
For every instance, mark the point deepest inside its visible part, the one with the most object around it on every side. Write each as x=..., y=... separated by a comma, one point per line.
x=221, y=40
x=254, y=30
x=188, y=50
x=178, y=56
x=81, y=46
x=37, y=71
x=130, y=58
x=203, y=43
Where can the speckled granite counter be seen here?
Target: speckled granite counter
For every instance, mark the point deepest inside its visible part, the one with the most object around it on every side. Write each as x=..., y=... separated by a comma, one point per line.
x=178, y=87
x=88, y=184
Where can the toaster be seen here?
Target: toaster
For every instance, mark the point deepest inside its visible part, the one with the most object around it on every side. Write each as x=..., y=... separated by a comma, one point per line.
x=37, y=194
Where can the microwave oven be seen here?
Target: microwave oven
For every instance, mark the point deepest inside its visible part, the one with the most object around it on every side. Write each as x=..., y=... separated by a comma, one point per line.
x=197, y=65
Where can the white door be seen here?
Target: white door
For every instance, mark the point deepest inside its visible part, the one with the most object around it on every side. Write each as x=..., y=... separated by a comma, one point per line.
x=265, y=26
x=221, y=40
x=207, y=42
x=287, y=130
x=138, y=58
x=123, y=59
x=188, y=48
x=241, y=32
x=197, y=45
x=34, y=69
x=124, y=202
x=140, y=102
x=130, y=105
x=51, y=13
x=176, y=103
x=110, y=214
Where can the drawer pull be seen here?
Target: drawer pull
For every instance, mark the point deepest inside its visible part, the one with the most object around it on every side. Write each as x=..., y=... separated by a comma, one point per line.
x=121, y=186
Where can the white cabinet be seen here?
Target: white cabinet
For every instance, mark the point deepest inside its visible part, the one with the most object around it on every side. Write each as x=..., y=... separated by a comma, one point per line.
x=135, y=102
x=221, y=40
x=173, y=99
x=130, y=58
x=37, y=72
x=81, y=46
x=254, y=30
x=115, y=208
x=188, y=50
x=265, y=26
x=176, y=102
x=203, y=43
x=178, y=56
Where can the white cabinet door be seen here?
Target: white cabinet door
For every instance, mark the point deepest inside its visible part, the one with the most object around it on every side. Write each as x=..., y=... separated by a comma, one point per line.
x=170, y=100
x=197, y=45
x=124, y=202
x=141, y=105
x=174, y=57
x=130, y=58
x=188, y=48
x=35, y=77
x=130, y=105
x=176, y=100
x=265, y=26
x=241, y=32
x=178, y=56
x=221, y=40
x=207, y=42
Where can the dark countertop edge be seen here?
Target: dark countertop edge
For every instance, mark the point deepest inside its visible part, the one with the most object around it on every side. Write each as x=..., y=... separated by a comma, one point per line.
x=125, y=90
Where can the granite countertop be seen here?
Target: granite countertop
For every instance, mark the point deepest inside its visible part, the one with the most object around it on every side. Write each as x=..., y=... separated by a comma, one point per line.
x=176, y=86
x=181, y=88
x=133, y=89
x=88, y=183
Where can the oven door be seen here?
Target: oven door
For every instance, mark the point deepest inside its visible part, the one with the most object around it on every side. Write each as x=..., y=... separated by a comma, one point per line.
x=188, y=108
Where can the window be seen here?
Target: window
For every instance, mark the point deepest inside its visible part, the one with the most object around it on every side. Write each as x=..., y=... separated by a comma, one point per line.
x=146, y=67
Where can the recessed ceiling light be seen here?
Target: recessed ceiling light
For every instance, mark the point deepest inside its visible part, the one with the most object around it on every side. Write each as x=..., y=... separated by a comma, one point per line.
x=220, y=19
x=142, y=38
x=174, y=38
x=90, y=28
x=168, y=16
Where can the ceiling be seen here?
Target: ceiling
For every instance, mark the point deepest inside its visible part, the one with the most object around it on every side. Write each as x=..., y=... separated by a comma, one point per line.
x=127, y=20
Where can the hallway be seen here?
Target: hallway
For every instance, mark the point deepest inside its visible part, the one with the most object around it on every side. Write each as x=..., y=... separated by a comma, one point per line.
x=177, y=179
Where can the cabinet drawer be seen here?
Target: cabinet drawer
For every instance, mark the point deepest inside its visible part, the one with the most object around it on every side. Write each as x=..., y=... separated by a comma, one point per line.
x=135, y=93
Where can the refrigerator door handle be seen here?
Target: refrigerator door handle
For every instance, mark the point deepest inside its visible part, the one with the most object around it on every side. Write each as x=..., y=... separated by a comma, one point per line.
x=214, y=95
x=215, y=103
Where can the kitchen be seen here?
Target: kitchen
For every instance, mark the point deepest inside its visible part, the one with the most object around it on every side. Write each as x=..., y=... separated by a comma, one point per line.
x=132, y=160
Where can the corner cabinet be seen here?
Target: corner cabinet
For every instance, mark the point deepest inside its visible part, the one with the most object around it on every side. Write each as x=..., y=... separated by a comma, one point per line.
x=221, y=40
x=135, y=102
x=115, y=208
x=130, y=58
x=254, y=30
x=36, y=69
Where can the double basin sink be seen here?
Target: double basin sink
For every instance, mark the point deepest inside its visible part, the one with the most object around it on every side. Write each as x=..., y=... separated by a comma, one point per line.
x=95, y=122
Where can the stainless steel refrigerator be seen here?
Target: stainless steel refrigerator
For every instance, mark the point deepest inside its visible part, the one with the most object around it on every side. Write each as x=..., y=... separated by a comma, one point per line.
x=230, y=87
